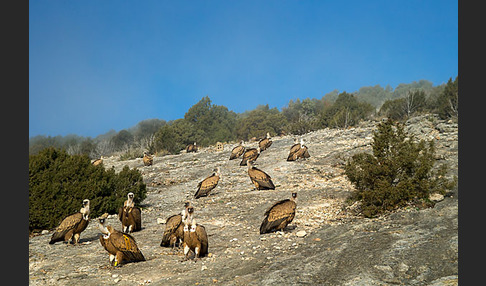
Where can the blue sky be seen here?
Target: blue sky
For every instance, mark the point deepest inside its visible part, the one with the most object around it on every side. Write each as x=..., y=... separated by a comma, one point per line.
x=101, y=65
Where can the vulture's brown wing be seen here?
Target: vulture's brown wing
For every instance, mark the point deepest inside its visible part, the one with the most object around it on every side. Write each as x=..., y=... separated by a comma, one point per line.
x=67, y=224
x=306, y=153
x=245, y=156
x=237, y=152
x=121, y=211
x=292, y=152
x=281, y=211
x=299, y=153
x=269, y=144
x=295, y=147
x=190, y=148
x=291, y=156
x=206, y=185
x=262, y=178
x=202, y=236
x=250, y=154
x=171, y=225
x=70, y=222
x=125, y=243
x=137, y=217
x=81, y=226
x=264, y=144
x=240, y=151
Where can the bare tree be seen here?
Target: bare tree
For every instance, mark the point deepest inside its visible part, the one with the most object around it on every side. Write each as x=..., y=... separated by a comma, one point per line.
x=103, y=148
x=414, y=101
x=347, y=117
x=409, y=103
x=74, y=149
x=145, y=143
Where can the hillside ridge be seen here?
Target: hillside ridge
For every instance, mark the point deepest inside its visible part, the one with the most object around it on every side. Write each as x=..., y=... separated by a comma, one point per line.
x=326, y=244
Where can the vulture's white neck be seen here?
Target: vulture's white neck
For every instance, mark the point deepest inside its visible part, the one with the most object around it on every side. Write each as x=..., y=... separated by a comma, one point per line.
x=189, y=219
x=104, y=231
x=129, y=202
x=85, y=212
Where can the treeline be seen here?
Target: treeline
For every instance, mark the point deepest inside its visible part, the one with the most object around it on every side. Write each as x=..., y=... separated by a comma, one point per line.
x=206, y=123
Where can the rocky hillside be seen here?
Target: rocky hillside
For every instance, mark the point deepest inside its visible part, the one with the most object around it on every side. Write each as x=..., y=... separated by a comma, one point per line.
x=326, y=244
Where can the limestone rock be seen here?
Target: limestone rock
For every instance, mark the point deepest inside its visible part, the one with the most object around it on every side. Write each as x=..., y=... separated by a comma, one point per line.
x=301, y=233
x=436, y=197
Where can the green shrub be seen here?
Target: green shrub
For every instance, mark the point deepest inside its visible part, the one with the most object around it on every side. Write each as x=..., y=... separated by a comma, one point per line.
x=404, y=107
x=260, y=121
x=398, y=172
x=394, y=109
x=58, y=183
x=167, y=141
x=346, y=111
x=448, y=100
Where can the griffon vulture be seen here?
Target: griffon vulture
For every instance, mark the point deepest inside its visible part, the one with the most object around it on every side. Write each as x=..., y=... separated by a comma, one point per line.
x=72, y=226
x=206, y=185
x=303, y=152
x=96, y=162
x=293, y=149
x=130, y=215
x=195, y=237
x=174, y=229
x=121, y=246
x=260, y=179
x=279, y=215
x=265, y=143
x=191, y=148
x=298, y=150
x=237, y=151
x=250, y=154
x=148, y=159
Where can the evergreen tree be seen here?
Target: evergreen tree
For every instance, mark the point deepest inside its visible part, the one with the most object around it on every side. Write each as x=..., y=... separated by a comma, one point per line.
x=59, y=182
x=448, y=101
x=397, y=172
